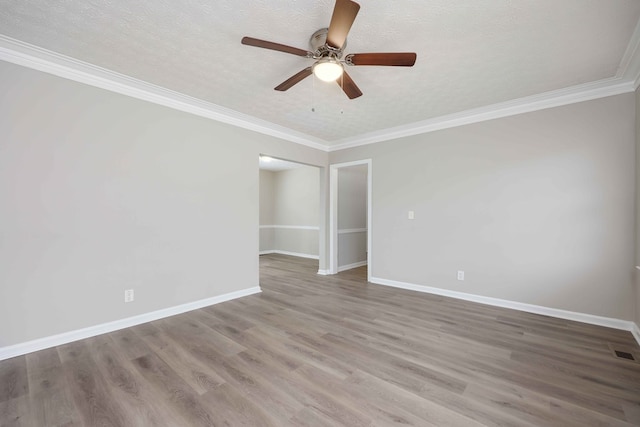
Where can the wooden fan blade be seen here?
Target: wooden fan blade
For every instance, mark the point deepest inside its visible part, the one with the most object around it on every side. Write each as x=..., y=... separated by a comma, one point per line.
x=397, y=59
x=344, y=13
x=348, y=86
x=250, y=41
x=296, y=78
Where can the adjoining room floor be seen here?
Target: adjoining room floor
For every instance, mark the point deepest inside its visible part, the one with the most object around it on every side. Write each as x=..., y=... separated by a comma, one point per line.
x=330, y=351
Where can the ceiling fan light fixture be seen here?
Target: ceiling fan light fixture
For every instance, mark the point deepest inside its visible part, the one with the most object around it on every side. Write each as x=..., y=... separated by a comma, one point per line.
x=326, y=49
x=327, y=69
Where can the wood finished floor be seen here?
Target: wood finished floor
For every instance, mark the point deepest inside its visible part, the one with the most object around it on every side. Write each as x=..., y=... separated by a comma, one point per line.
x=330, y=351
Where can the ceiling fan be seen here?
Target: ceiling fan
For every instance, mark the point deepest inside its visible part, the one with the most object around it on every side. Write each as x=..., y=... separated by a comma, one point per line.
x=327, y=46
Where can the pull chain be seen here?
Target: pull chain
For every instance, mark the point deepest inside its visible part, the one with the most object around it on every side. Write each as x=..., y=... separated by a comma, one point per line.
x=313, y=90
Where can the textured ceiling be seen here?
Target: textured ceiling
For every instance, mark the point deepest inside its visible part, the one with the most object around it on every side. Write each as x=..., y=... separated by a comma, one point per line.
x=471, y=53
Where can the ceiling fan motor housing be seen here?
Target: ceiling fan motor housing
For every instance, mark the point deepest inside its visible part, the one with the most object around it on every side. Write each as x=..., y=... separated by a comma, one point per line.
x=318, y=45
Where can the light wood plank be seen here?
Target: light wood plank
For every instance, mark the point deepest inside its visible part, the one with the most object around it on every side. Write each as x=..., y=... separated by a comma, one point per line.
x=316, y=350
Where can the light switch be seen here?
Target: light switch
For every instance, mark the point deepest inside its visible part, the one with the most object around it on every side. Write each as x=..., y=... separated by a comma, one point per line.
x=411, y=215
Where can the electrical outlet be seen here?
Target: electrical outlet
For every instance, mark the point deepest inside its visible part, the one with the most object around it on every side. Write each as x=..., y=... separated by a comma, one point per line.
x=411, y=215
x=128, y=295
x=460, y=275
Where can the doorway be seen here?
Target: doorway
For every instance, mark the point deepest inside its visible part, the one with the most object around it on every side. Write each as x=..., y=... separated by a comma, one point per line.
x=350, y=216
x=289, y=224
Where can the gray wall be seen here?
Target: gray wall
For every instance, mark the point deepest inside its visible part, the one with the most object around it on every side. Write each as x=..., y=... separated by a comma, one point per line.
x=637, y=272
x=536, y=208
x=352, y=215
x=290, y=199
x=267, y=206
x=100, y=192
x=297, y=196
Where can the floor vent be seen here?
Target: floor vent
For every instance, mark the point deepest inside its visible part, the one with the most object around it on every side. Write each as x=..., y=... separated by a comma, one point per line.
x=624, y=355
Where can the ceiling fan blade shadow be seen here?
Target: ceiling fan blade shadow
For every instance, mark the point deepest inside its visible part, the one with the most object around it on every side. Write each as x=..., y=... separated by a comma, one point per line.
x=250, y=41
x=397, y=59
x=348, y=86
x=295, y=79
x=344, y=13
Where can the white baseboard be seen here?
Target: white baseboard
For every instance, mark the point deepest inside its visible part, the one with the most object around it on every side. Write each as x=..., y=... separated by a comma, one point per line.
x=608, y=322
x=324, y=272
x=292, y=227
x=350, y=266
x=79, y=334
x=635, y=330
x=298, y=254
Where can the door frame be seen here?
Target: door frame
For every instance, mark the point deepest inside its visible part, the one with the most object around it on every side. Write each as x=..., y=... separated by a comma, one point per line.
x=322, y=218
x=333, y=213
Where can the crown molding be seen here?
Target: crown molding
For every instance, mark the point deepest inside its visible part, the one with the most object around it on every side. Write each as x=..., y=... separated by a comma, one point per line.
x=44, y=60
x=627, y=79
x=629, y=68
x=556, y=98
